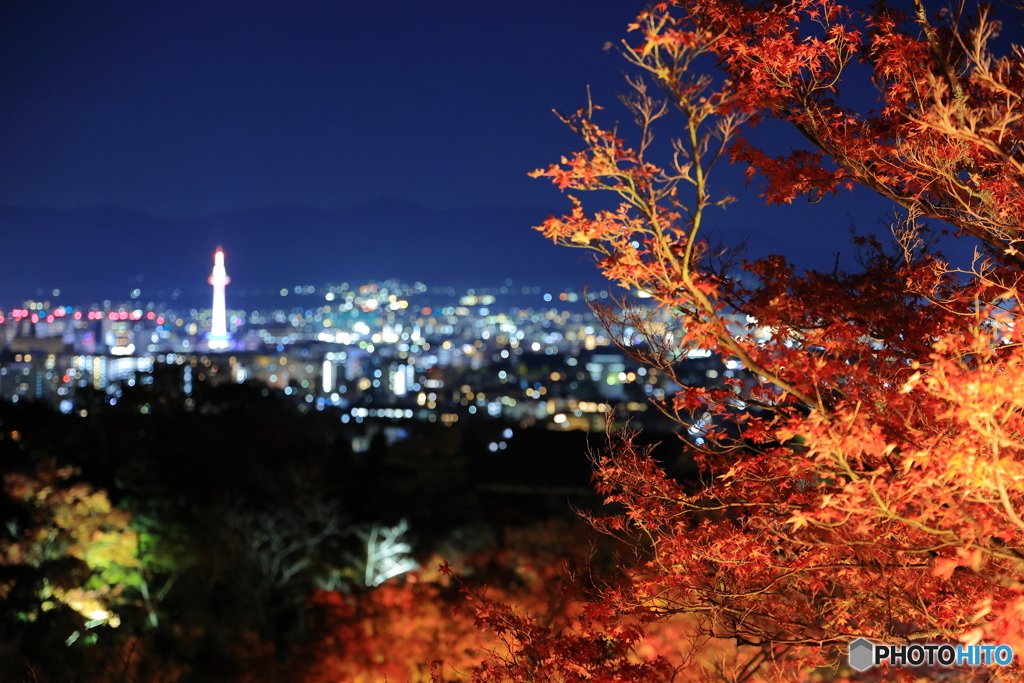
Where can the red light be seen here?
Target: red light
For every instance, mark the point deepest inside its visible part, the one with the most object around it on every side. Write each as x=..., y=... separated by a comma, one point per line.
x=123, y=315
x=35, y=318
x=66, y=379
x=111, y=316
x=49, y=318
x=136, y=315
x=150, y=315
x=78, y=315
x=1, y=320
x=160, y=320
x=59, y=313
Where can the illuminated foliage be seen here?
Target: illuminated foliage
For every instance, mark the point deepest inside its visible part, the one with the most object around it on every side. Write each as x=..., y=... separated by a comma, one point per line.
x=393, y=631
x=421, y=627
x=870, y=481
x=84, y=548
x=387, y=553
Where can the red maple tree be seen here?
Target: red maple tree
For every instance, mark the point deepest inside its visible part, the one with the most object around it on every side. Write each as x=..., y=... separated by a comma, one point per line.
x=865, y=476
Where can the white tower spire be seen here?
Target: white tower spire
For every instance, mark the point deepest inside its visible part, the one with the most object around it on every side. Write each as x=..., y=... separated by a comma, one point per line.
x=218, y=324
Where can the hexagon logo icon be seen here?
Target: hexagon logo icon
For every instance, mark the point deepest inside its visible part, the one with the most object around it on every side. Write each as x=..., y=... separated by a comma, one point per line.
x=861, y=654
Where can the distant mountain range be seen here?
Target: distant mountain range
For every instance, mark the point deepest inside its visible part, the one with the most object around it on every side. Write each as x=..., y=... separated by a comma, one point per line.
x=105, y=252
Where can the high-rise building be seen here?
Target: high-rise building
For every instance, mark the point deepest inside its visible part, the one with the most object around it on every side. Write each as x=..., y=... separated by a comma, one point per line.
x=218, y=337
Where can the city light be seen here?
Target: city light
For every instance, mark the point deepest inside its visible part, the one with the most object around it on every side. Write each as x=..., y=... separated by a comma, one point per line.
x=377, y=351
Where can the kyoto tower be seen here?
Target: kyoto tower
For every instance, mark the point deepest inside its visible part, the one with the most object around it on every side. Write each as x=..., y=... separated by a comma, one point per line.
x=218, y=337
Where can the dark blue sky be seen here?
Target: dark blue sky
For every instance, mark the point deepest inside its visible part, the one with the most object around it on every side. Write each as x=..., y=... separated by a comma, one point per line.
x=192, y=114
x=187, y=107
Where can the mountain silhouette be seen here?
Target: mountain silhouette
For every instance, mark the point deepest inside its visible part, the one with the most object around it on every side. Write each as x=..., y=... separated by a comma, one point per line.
x=105, y=252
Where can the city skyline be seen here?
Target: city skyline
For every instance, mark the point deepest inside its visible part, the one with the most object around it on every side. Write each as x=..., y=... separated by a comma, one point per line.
x=377, y=350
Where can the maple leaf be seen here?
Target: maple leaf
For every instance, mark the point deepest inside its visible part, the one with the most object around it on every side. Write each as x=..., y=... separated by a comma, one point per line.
x=874, y=416
x=945, y=566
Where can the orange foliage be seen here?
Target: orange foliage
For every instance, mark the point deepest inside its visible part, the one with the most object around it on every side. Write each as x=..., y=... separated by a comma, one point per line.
x=867, y=477
x=392, y=632
x=421, y=627
x=428, y=626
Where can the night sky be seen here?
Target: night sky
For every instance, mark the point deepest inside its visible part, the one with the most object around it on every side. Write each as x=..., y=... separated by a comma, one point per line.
x=318, y=141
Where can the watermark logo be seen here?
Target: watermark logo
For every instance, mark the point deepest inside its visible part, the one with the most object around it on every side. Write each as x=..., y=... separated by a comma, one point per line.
x=863, y=654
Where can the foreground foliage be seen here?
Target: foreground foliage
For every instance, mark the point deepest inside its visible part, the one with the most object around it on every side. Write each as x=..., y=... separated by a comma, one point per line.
x=180, y=545
x=870, y=481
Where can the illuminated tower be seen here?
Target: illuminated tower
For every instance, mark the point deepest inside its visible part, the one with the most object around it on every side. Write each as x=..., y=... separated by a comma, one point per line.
x=218, y=338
